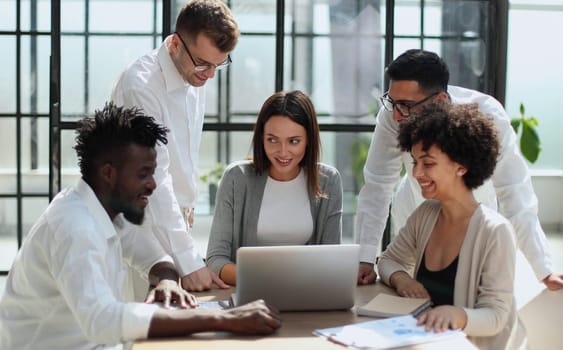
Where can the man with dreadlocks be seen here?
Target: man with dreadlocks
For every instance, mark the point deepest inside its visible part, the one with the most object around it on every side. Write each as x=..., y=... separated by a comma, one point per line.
x=65, y=288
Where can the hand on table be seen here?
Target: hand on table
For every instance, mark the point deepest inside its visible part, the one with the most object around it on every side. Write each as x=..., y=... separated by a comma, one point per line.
x=442, y=318
x=201, y=280
x=407, y=286
x=366, y=273
x=168, y=291
x=256, y=317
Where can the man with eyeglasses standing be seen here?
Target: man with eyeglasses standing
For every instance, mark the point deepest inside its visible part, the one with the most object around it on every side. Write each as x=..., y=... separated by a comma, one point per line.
x=168, y=84
x=418, y=77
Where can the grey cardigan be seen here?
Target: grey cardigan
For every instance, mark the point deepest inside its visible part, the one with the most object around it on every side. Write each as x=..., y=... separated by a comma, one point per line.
x=239, y=198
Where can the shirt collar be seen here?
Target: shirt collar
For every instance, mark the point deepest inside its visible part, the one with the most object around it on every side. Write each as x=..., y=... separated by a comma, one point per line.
x=172, y=79
x=93, y=204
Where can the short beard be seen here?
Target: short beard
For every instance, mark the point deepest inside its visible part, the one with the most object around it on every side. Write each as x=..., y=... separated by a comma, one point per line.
x=131, y=213
x=134, y=216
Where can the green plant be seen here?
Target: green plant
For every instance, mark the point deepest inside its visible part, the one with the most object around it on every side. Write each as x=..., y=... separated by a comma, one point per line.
x=359, y=152
x=213, y=175
x=530, y=144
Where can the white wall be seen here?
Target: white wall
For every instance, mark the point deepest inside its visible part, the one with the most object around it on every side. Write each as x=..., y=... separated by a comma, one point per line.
x=549, y=189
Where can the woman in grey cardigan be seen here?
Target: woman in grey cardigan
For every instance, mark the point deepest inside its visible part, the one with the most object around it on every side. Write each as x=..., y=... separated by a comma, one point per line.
x=284, y=196
x=453, y=249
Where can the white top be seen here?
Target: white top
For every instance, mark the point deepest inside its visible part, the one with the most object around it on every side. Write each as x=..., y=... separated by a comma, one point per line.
x=64, y=290
x=153, y=83
x=510, y=185
x=285, y=214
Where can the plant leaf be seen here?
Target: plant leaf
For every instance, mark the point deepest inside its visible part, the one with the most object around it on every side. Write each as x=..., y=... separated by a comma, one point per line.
x=529, y=141
x=515, y=122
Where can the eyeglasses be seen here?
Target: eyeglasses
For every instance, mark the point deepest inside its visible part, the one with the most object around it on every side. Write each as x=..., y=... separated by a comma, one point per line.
x=403, y=108
x=203, y=67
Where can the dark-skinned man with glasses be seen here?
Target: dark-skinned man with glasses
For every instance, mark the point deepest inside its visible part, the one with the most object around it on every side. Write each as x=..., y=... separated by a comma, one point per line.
x=419, y=77
x=168, y=84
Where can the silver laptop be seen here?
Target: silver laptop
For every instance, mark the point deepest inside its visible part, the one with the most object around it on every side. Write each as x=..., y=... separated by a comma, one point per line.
x=298, y=278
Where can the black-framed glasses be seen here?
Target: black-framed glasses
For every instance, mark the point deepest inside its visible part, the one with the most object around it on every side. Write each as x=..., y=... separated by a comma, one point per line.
x=203, y=67
x=403, y=108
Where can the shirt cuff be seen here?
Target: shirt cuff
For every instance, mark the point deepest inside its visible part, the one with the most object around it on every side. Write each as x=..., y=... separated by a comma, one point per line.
x=188, y=261
x=368, y=253
x=136, y=320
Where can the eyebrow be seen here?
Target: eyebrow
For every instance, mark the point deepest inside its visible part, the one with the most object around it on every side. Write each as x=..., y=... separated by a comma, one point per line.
x=202, y=62
x=404, y=101
x=289, y=137
x=424, y=155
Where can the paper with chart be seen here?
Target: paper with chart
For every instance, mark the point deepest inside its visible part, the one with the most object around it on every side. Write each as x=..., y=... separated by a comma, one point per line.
x=384, y=334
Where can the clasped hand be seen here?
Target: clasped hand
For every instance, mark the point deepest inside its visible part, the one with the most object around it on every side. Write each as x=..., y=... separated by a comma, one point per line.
x=169, y=291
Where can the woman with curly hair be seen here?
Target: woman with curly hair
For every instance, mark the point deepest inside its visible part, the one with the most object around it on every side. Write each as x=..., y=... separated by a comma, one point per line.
x=454, y=250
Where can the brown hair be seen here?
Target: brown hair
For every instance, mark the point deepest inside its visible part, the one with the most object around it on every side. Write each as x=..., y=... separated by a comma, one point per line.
x=298, y=107
x=212, y=18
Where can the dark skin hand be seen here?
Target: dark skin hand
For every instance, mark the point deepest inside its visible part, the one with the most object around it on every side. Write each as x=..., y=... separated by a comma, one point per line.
x=165, y=287
x=167, y=292
x=253, y=318
x=366, y=274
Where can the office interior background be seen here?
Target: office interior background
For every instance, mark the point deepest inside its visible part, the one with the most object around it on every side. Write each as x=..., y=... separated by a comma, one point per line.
x=60, y=59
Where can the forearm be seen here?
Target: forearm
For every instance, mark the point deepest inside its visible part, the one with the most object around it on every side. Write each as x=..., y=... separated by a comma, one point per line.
x=229, y=274
x=163, y=271
x=169, y=323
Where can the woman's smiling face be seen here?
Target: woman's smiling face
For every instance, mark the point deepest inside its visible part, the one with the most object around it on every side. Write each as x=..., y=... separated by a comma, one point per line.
x=435, y=172
x=285, y=144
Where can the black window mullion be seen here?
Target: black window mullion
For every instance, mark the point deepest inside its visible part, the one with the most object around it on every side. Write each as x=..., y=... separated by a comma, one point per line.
x=166, y=18
x=86, y=54
x=389, y=36
x=497, y=49
x=280, y=34
x=55, y=101
x=19, y=210
x=34, y=85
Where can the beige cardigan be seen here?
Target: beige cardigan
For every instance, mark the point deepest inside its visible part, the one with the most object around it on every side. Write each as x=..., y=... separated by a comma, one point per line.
x=485, y=272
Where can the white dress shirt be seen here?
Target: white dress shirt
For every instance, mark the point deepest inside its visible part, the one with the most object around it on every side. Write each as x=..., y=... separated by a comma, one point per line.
x=153, y=83
x=510, y=185
x=64, y=290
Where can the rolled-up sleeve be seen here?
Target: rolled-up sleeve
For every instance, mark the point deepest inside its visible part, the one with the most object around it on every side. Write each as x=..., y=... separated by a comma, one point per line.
x=136, y=320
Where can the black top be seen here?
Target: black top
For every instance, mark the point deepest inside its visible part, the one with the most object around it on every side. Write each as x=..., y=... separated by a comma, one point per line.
x=439, y=284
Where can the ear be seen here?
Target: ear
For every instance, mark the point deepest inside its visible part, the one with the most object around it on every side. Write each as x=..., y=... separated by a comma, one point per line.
x=461, y=170
x=174, y=45
x=108, y=174
x=443, y=97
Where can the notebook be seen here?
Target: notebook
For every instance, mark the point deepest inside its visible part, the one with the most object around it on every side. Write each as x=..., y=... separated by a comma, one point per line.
x=298, y=278
x=386, y=305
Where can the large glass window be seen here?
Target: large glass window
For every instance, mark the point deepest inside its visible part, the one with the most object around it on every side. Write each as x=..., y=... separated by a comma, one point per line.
x=334, y=50
x=534, y=75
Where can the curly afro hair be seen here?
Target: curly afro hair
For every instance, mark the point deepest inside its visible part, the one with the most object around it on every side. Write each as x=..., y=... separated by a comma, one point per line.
x=461, y=131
